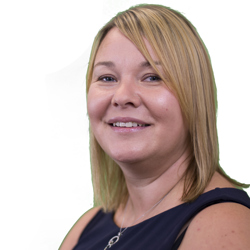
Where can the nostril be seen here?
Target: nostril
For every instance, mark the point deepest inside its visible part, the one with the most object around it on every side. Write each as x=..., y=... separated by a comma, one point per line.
x=123, y=104
x=125, y=97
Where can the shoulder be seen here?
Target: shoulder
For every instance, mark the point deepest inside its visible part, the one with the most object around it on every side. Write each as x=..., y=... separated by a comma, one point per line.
x=220, y=226
x=73, y=235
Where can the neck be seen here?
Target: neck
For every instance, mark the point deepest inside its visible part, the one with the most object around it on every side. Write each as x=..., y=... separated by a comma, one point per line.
x=147, y=189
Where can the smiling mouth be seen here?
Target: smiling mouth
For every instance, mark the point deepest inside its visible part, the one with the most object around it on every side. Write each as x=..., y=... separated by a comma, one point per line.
x=128, y=124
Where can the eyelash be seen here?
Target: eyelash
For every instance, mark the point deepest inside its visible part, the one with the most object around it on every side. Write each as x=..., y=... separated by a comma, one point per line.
x=110, y=77
x=101, y=78
x=155, y=76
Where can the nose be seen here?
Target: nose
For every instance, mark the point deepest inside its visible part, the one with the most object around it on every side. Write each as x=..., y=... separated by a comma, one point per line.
x=126, y=94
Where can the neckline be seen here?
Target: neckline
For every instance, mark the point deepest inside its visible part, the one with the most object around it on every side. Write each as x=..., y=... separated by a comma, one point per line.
x=176, y=207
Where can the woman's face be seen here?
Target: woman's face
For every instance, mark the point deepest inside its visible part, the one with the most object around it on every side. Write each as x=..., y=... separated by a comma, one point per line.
x=133, y=115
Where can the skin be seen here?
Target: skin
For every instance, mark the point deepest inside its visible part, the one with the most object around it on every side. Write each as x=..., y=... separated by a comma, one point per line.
x=128, y=90
x=125, y=88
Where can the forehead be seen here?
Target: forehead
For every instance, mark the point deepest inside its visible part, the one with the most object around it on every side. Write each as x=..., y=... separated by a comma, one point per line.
x=116, y=44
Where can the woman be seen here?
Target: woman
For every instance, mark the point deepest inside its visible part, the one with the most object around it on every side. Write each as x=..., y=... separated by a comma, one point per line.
x=153, y=142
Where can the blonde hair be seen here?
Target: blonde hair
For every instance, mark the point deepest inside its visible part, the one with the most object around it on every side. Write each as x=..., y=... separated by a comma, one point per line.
x=187, y=71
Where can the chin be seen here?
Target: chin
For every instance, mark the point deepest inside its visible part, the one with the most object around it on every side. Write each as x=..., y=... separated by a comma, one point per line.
x=130, y=157
x=124, y=159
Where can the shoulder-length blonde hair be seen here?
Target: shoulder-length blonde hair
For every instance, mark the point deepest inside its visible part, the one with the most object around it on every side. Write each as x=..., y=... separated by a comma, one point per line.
x=187, y=71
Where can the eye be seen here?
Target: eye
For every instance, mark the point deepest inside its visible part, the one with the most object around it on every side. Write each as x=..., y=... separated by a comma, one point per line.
x=152, y=78
x=106, y=79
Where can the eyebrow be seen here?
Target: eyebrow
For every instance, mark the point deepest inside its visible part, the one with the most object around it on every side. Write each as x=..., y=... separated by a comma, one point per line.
x=147, y=64
x=110, y=64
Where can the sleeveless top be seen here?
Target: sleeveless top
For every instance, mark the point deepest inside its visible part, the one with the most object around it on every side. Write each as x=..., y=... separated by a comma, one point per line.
x=159, y=232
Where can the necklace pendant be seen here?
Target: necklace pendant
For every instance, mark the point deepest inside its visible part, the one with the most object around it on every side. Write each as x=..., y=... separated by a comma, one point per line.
x=113, y=240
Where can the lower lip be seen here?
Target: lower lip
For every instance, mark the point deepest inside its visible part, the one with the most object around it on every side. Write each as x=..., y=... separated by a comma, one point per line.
x=128, y=129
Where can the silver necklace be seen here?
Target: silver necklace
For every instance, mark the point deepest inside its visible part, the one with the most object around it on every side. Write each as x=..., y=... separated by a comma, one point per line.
x=116, y=238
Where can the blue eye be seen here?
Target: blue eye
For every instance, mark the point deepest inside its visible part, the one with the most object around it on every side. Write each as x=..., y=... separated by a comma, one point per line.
x=106, y=79
x=152, y=78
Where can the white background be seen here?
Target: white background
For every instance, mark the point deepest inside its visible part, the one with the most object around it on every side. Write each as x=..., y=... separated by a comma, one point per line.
x=45, y=178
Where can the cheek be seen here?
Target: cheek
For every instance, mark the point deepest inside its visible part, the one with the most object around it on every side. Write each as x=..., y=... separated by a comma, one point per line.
x=97, y=104
x=93, y=106
x=165, y=106
x=168, y=111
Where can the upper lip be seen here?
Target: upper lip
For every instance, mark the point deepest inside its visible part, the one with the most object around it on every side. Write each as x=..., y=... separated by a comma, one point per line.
x=125, y=119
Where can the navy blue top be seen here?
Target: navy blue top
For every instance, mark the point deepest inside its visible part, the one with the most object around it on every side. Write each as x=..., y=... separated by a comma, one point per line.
x=159, y=232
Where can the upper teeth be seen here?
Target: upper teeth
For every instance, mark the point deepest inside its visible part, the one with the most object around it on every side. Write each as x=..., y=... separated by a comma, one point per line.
x=128, y=124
